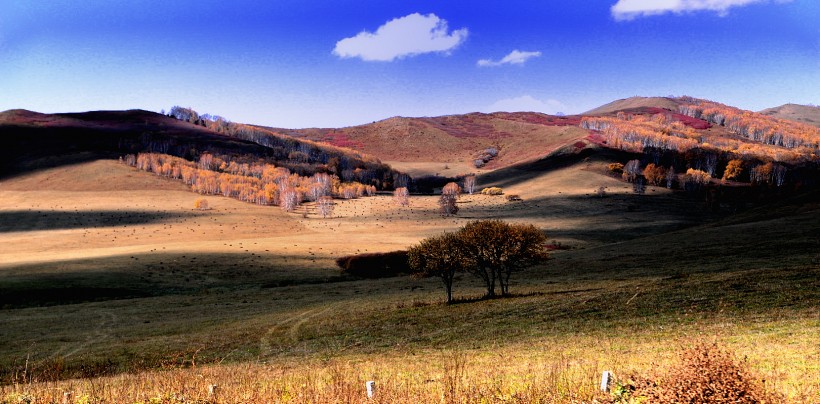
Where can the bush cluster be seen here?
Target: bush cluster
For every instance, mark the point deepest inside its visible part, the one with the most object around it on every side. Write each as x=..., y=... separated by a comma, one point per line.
x=492, y=191
x=375, y=265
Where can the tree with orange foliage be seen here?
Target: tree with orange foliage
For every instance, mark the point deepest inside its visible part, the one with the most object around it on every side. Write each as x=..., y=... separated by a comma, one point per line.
x=201, y=204
x=655, y=175
x=733, y=170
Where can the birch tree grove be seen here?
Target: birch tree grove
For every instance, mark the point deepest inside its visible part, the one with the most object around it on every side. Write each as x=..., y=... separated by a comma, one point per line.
x=263, y=183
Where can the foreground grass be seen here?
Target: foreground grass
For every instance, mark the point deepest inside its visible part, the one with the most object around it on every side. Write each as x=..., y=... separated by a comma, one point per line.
x=282, y=325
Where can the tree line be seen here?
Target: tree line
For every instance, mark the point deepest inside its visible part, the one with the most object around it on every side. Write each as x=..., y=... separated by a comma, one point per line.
x=261, y=183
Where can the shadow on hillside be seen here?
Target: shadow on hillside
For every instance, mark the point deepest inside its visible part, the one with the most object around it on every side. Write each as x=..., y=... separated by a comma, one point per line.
x=518, y=173
x=34, y=220
x=154, y=275
x=616, y=217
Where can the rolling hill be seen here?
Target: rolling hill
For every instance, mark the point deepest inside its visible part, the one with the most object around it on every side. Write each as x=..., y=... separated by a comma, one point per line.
x=457, y=140
x=106, y=269
x=807, y=114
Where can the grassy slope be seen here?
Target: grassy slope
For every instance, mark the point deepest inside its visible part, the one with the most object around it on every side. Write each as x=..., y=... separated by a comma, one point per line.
x=152, y=281
x=413, y=143
x=801, y=113
x=632, y=103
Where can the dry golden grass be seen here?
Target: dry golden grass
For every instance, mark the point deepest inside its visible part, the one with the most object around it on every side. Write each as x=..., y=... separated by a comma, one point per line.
x=161, y=285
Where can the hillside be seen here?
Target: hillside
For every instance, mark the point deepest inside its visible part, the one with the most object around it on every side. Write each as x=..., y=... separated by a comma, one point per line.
x=807, y=114
x=636, y=102
x=35, y=141
x=249, y=298
x=457, y=140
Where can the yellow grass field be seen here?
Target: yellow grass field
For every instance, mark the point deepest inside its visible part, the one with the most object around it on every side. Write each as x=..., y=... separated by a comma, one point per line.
x=111, y=272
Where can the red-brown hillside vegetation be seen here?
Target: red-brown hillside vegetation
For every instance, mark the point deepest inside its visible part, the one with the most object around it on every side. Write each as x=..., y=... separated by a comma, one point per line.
x=517, y=137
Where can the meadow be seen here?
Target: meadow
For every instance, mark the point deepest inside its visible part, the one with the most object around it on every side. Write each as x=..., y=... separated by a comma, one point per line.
x=115, y=289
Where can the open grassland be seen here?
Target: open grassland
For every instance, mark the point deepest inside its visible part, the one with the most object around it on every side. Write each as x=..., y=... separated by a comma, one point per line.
x=124, y=276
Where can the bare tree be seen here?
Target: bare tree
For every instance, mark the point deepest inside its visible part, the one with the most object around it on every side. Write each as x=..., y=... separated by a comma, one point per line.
x=448, y=204
x=401, y=196
x=670, y=177
x=325, y=206
x=632, y=170
x=469, y=184
x=289, y=199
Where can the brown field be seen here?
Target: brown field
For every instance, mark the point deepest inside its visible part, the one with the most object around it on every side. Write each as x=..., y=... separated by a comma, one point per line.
x=105, y=270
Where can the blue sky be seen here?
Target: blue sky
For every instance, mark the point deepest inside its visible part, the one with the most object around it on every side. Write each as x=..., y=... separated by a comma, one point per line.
x=337, y=63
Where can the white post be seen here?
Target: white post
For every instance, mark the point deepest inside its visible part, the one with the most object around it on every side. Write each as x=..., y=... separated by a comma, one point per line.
x=371, y=388
x=67, y=397
x=212, y=390
x=606, y=379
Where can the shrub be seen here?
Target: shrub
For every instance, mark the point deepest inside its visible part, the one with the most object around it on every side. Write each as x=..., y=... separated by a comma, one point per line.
x=201, y=204
x=514, y=197
x=492, y=191
x=616, y=168
x=375, y=265
x=704, y=374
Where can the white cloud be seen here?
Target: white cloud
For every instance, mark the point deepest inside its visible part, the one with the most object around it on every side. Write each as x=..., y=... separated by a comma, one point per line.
x=516, y=57
x=406, y=36
x=630, y=9
x=526, y=103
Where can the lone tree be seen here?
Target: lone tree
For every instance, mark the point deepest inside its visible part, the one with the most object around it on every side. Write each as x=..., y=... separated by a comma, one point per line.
x=449, y=199
x=325, y=206
x=401, y=196
x=469, y=184
x=489, y=249
x=439, y=256
x=497, y=249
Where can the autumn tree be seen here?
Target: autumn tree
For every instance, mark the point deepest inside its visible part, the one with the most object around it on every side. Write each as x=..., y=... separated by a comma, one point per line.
x=201, y=204
x=439, y=256
x=762, y=174
x=694, y=179
x=733, y=170
x=401, y=196
x=497, y=249
x=451, y=188
x=654, y=174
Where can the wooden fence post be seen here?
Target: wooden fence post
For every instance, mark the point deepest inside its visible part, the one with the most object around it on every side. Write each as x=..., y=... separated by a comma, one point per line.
x=67, y=397
x=371, y=388
x=212, y=390
x=606, y=379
